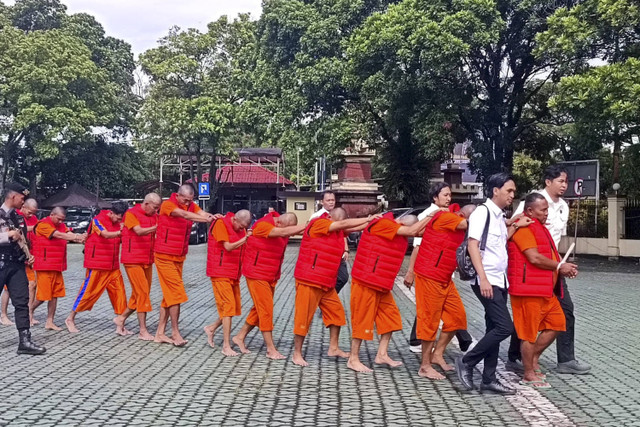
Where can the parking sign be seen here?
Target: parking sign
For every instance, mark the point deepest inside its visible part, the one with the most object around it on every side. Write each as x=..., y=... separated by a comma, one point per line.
x=203, y=191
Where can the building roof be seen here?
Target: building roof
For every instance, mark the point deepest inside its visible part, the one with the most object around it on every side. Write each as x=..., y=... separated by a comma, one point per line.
x=75, y=195
x=247, y=174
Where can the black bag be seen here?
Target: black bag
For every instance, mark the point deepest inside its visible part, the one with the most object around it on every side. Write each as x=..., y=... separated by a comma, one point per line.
x=465, y=266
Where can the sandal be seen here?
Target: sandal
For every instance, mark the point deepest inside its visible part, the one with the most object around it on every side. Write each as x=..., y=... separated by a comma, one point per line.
x=536, y=384
x=540, y=374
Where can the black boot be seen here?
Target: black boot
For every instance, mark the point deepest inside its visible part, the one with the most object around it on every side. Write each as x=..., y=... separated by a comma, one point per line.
x=27, y=346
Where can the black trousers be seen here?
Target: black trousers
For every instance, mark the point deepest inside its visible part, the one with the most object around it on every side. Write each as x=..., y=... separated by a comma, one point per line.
x=499, y=327
x=14, y=276
x=343, y=276
x=565, y=343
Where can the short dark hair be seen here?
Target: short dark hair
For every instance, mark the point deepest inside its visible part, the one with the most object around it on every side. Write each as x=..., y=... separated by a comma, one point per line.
x=436, y=188
x=119, y=207
x=327, y=192
x=532, y=198
x=554, y=171
x=497, y=180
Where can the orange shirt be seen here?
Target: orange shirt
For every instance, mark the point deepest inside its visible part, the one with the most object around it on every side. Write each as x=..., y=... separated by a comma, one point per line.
x=219, y=232
x=385, y=228
x=130, y=221
x=165, y=209
x=524, y=239
x=46, y=230
x=262, y=229
x=448, y=221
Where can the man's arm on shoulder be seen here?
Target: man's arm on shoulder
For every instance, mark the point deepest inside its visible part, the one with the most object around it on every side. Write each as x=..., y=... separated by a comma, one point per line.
x=291, y=230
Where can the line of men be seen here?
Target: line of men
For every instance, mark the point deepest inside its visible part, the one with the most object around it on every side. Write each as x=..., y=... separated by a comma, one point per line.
x=257, y=254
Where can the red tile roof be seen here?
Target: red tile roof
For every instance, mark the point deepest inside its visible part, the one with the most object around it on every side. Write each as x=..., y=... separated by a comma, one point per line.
x=247, y=174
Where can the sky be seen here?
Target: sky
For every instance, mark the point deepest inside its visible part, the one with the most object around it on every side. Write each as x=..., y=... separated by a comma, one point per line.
x=142, y=22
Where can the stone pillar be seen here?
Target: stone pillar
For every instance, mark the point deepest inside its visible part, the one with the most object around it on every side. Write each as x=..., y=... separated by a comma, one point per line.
x=616, y=220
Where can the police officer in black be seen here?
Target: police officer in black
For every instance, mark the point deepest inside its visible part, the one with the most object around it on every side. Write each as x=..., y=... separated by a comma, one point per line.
x=12, y=264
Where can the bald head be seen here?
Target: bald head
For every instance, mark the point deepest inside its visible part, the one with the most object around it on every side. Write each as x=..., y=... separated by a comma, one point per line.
x=287, y=220
x=241, y=220
x=407, y=220
x=467, y=210
x=58, y=214
x=186, y=190
x=153, y=198
x=58, y=210
x=338, y=214
x=30, y=207
x=151, y=204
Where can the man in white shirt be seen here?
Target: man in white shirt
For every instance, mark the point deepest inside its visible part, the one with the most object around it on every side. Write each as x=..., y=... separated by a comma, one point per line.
x=491, y=283
x=556, y=182
x=328, y=203
x=440, y=195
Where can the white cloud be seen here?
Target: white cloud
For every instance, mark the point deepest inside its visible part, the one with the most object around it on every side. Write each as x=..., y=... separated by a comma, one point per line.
x=142, y=22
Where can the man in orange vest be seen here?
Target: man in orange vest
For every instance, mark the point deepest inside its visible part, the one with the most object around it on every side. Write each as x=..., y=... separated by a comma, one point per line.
x=50, y=251
x=436, y=295
x=316, y=270
x=102, y=261
x=28, y=212
x=261, y=265
x=175, y=219
x=381, y=251
x=138, y=237
x=533, y=272
x=224, y=260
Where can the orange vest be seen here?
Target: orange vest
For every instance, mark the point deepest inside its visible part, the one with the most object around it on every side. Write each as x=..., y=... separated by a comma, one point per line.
x=172, y=235
x=319, y=258
x=378, y=260
x=220, y=262
x=263, y=257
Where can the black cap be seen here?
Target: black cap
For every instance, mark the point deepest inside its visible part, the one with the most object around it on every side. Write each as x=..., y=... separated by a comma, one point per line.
x=17, y=187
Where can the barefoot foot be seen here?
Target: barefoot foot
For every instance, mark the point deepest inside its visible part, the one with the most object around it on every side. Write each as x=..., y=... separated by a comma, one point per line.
x=178, y=341
x=4, y=320
x=338, y=353
x=34, y=322
x=275, y=355
x=210, y=331
x=162, y=339
x=439, y=360
x=145, y=336
x=52, y=327
x=358, y=366
x=386, y=360
x=71, y=325
x=240, y=343
x=299, y=360
x=430, y=373
x=228, y=351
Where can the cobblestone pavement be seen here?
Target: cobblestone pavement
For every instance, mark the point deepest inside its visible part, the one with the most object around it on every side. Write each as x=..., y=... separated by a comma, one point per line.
x=99, y=378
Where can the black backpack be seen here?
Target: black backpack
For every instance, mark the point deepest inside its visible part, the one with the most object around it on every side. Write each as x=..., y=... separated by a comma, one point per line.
x=465, y=266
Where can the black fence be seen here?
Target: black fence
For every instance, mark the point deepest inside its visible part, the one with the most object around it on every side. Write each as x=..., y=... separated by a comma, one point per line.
x=632, y=219
x=591, y=217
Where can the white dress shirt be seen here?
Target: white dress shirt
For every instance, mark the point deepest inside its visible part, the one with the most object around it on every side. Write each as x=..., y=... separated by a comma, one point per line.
x=494, y=256
x=318, y=213
x=557, y=219
x=423, y=215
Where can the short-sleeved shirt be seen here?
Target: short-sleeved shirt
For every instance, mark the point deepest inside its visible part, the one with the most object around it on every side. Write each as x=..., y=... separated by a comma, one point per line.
x=262, y=229
x=425, y=213
x=494, y=257
x=318, y=213
x=97, y=227
x=448, y=221
x=385, y=228
x=168, y=206
x=557, y=219
x=525, y=239
x=46, y=230
x=219, y=232
x=130, y=221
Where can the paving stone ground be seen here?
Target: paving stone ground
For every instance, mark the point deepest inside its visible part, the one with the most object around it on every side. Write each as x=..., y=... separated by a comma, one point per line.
x=98, y=378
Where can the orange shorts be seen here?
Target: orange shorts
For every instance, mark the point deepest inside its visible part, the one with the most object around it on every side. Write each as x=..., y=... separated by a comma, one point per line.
x=140, y=278
x=261, y=314
x=534, y=314
x=370, y=306
x=308, y=299
x=227, y=294
x=31, y=275
x=94, y=285
x=170, y=277
x=49, y=284
x=434, y=301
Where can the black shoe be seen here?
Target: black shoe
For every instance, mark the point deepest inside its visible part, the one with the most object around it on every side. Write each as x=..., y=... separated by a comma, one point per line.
x=464, y=339
x=27, y=346
x=497, y=388
x=465, y=373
